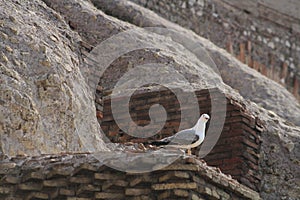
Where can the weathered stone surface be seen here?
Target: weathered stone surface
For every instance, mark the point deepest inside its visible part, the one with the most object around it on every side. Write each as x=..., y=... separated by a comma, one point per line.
x=102, y=176
x=83, y=180
x=106, y=195
x=5, y=190
x=30, y=186
x=176, y=174
x=33, y=175
x=43, y=102
x=253, y=86
x=11, y=179
x=77, y=198
x=66, y=192
x=38, y=195
x=181, y=193
x=88, y=188
x=182, y=167
x=169, y=186
x=7, y=167
x=136, y=192
x=55, y=182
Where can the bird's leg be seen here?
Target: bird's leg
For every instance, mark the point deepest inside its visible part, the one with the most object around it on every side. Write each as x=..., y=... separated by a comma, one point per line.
x=189, y=152
x=183, y=151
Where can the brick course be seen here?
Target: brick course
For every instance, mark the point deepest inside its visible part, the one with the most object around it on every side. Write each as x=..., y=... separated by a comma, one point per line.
x=237, y=150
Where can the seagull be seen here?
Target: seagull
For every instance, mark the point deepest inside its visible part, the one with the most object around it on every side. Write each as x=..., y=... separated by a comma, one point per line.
x=188, y=138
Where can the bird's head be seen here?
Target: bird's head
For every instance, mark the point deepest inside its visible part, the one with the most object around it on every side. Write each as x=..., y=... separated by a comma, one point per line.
x=204, y=117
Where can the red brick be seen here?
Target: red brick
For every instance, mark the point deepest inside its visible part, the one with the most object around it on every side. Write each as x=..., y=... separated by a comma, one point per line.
x=229, y=168
x=232, y=161
x=235, y=172
x=230, y=120
x=230, y=140
x=254, y=174
x=216, y=163
x=218, y=156
x=114, y=127
x=250, y=144
x=106, y=100
x=252, y=152
x=247, y=182
x=220, y=149
x=99, y=114
x=246, y=128
x=238, y=151
x=284, y=71
x=234, y=113
x=221, y=145
x=233, y=133
x=296, y=87
x=174, y=116
x=231, y=107
x=113, y=133
x=229, y=47
x=202, y=98
x=201, y=92
x=104, y=128
x=251, y=158
x=173, y=124
x=142, y=107
x=139, y=140
x=242, y=52
x=259, y=128
x=107, y=117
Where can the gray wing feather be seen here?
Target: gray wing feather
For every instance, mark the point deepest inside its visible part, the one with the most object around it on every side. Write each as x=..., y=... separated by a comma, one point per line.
x=186, y=136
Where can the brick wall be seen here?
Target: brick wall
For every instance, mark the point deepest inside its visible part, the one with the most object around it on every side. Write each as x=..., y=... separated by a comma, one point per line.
x=237, y=150
x=280, y=73
x=82, y=177
x=271, y=27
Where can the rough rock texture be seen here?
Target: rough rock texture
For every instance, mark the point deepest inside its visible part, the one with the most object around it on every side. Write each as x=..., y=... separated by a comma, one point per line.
x=174, y=54
x=283, y=134
x=44, y=102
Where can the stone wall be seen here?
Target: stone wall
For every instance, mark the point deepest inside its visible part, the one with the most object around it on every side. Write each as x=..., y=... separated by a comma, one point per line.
x=81, y=177
x=268, y=29
x=237, y=150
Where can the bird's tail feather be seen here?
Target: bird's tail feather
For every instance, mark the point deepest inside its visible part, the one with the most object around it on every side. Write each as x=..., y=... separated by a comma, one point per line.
x=158, y=143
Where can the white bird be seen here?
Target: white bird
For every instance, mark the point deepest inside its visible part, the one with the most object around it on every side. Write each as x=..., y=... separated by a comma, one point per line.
x=188, y=138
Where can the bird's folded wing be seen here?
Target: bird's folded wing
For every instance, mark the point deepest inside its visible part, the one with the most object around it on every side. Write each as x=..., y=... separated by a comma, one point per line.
x=183, y=137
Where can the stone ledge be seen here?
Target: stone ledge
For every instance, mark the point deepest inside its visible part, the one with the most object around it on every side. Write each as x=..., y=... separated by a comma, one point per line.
x=185, y=177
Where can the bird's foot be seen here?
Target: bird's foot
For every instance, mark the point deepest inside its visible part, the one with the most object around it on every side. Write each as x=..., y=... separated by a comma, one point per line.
x=183, y=153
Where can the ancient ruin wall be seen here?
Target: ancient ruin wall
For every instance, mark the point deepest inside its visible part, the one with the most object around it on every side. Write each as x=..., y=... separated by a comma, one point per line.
x=261, y=33
x=82, y=177
x=237, y=150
